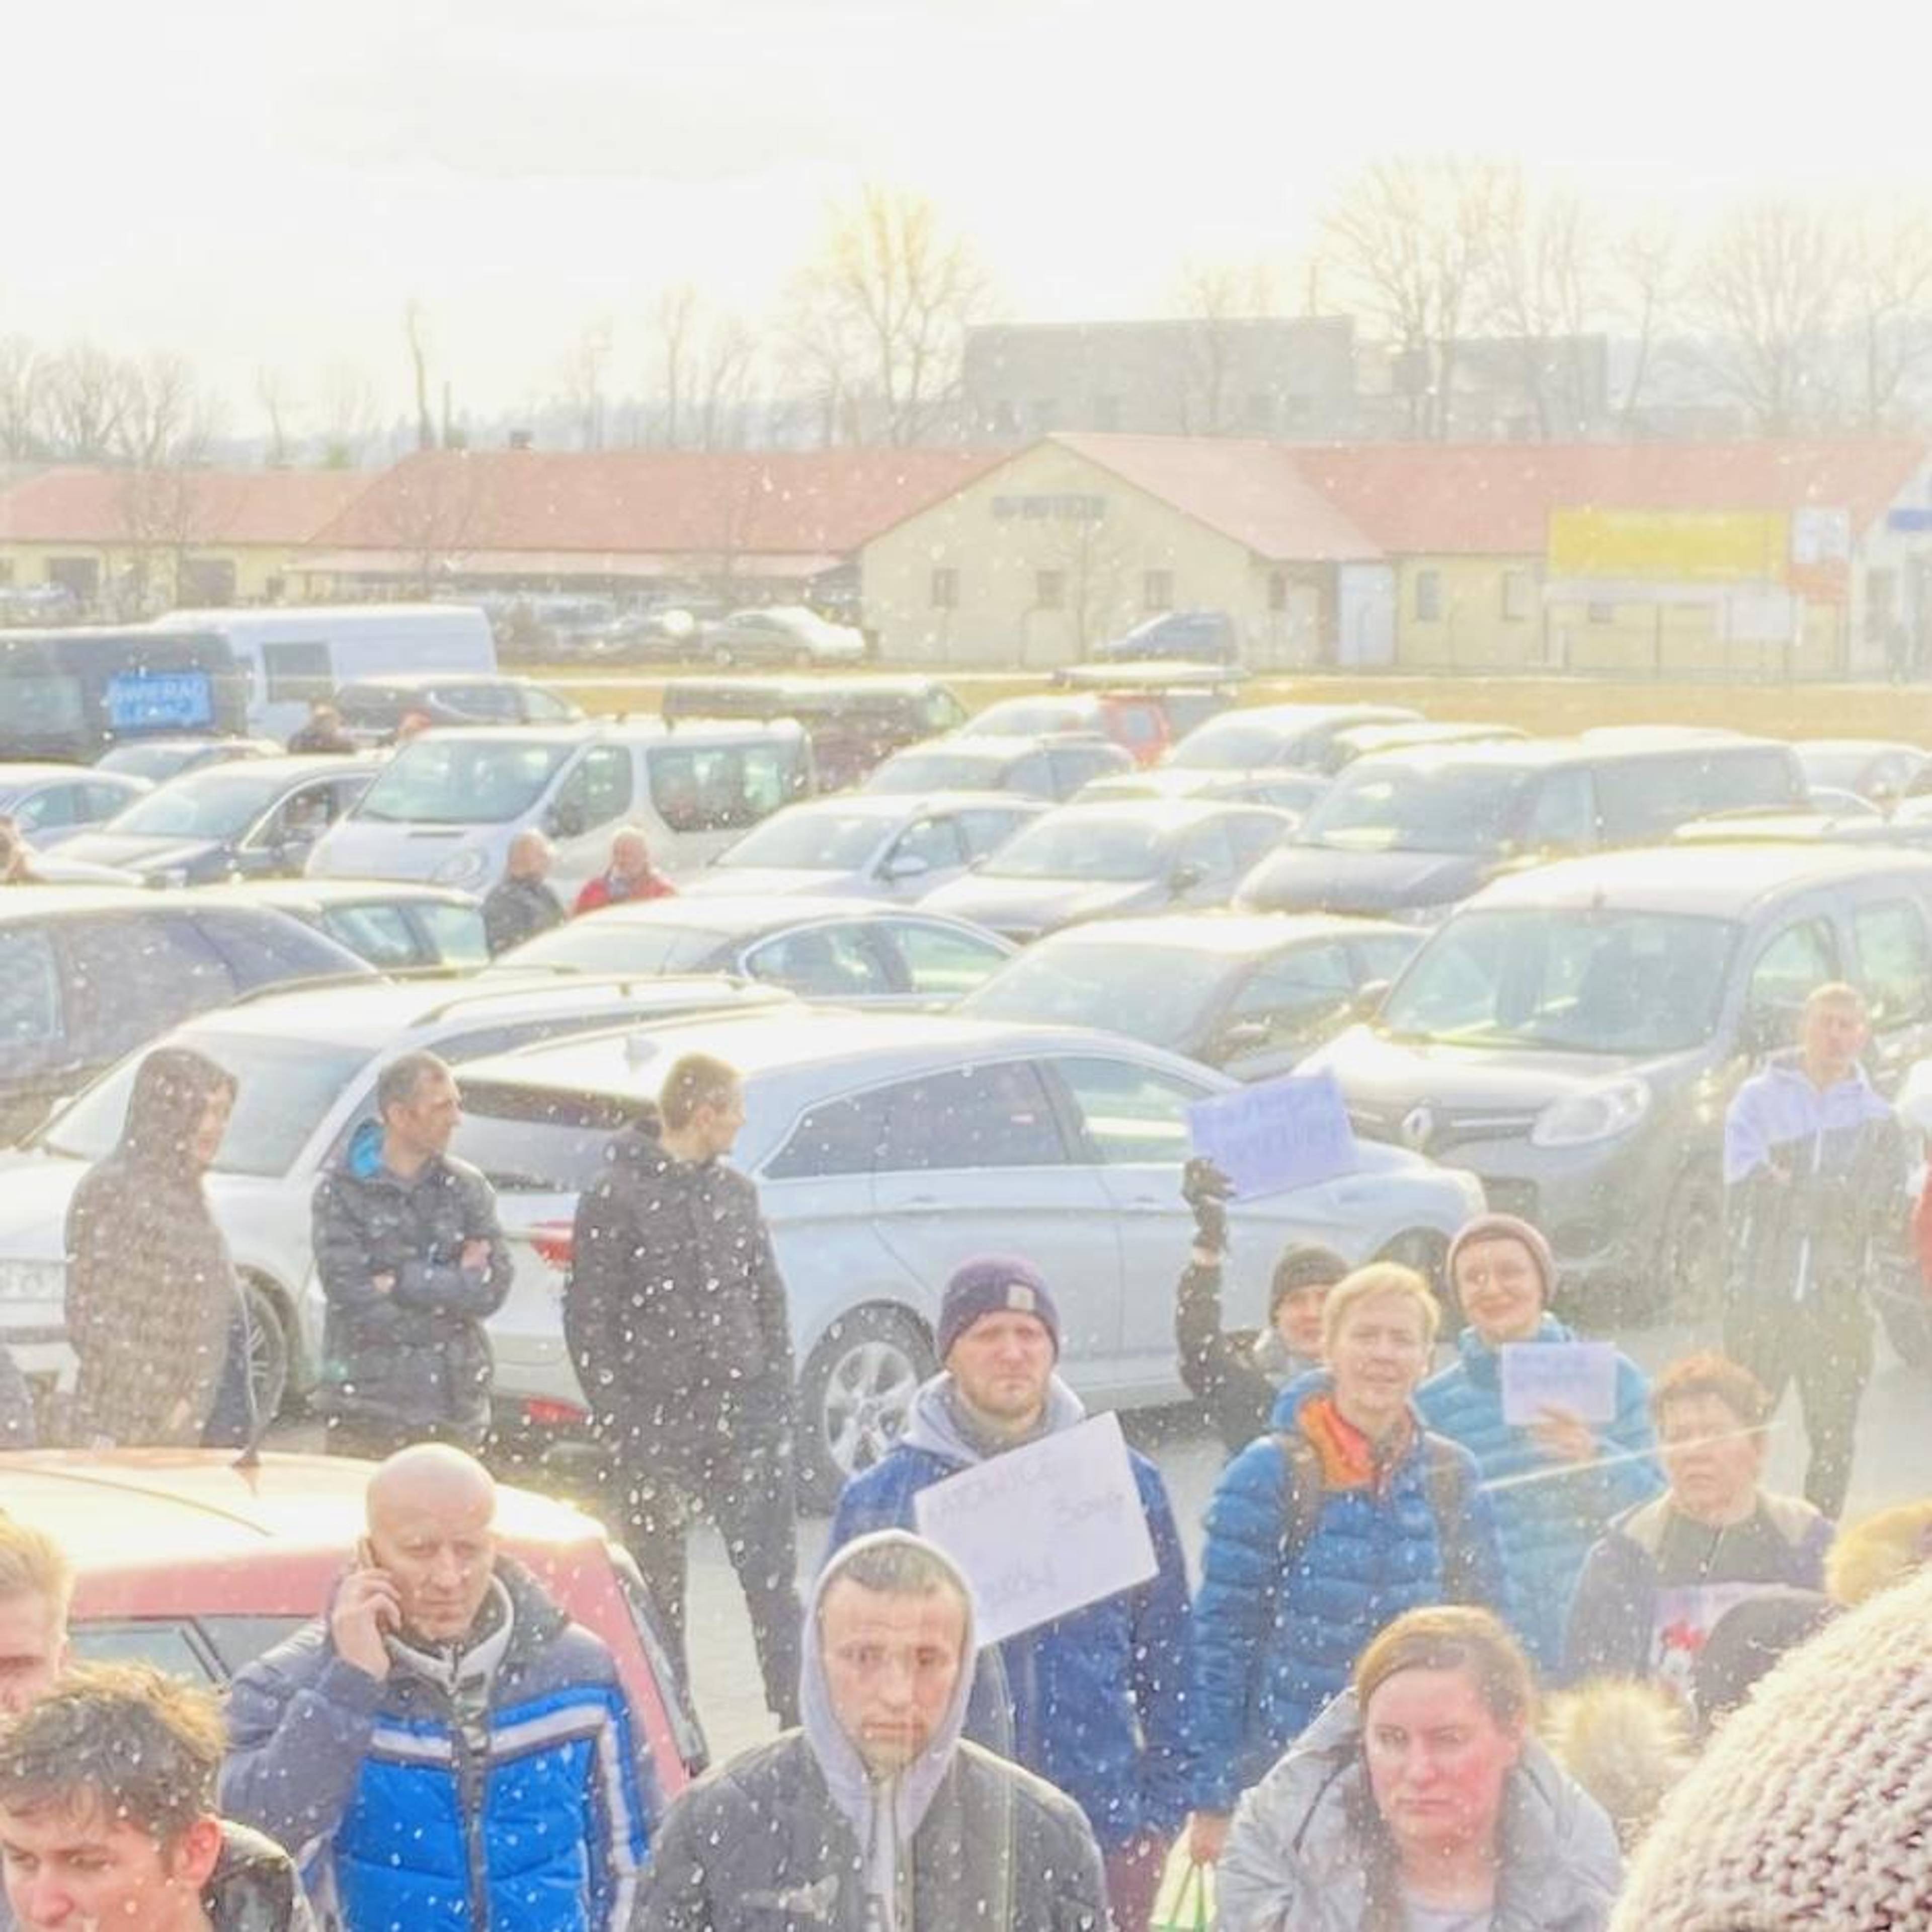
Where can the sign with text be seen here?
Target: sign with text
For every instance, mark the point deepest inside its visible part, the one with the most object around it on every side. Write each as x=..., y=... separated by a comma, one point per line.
x=1580, y=1377
x=1042, y=1530
x=1292, y=1133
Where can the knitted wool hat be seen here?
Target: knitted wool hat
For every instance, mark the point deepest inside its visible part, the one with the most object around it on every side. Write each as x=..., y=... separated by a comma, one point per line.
x=1500, y=1228
x=1306, y=1265
x=1812, y=1804
x=995, y=1285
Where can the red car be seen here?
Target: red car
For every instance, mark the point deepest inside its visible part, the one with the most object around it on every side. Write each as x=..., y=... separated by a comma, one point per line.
x=187, y=1560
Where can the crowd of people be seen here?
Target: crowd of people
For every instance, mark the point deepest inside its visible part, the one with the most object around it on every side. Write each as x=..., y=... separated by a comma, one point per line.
x=1451, y=1665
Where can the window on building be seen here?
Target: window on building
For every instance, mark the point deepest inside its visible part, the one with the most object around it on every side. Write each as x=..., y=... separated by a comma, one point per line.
x=1428, y=596
x=79, y=576
x=1157, y=590
x=208, y=581
x=1049, y=590
x=945, y=595
x=1601, y=612
x=1519, y=596
x=1277, y=590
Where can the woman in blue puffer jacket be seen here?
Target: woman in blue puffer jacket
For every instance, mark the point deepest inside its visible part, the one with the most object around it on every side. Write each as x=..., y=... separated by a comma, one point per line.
x=1555, y=1484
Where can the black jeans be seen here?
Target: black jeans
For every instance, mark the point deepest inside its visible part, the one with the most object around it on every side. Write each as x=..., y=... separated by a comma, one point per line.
x=1825, y=1344
x=745, y=1486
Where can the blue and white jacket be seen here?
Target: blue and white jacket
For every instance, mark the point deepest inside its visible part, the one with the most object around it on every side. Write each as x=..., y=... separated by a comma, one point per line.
x=414, y=1807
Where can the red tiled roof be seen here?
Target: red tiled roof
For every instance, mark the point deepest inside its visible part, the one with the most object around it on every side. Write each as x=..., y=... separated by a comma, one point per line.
x=672, y=502
x=1256, y=492
x=1496, y=499
x=282, y=508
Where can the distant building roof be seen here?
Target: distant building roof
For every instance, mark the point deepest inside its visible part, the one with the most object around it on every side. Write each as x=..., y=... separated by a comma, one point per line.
x=282, y=508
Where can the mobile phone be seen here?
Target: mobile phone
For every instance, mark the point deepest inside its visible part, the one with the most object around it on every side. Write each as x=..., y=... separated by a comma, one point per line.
x=386, y=1616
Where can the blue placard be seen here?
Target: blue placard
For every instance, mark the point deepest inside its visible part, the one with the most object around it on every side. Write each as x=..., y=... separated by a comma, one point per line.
x=1286, y=1133
x=150, y=701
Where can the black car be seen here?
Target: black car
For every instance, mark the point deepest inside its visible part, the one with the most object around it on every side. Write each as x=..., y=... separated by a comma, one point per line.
x=1194, y=636
x=373, y=709
x=88, y=973
x=397, y=925
x=157, y=760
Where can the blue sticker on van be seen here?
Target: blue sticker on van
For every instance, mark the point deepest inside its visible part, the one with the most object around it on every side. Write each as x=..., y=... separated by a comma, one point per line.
x=150, y=700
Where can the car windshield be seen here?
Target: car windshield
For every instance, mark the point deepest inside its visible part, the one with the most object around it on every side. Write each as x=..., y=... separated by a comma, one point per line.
x=939, y=771
x=219, y=803
x=282, y=1089
x=153, y=762
x=1836, y=770
x=1572, y=979
x=1157, y=994
x=1233, y=744
x=1083, y=845
x=463, y=782
x=1405, y=808
x=827, y=838
x=619, y=946
x=1030, y=718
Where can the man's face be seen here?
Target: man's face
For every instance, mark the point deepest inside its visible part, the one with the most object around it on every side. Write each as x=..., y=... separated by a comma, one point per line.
x=33, y=1647
x=1002, y=1364
x=1834, y=1037
x=1438, y=1760
x=716, y=1125
x=428, y=1118
x=73, y=1868
x=438, y=1550
x=1297, y=1319
x=528, y=859
x=1501, y=1289
x=1379, y=1354
x=630, y=859
x=891, y=1662
x=1713, y=1461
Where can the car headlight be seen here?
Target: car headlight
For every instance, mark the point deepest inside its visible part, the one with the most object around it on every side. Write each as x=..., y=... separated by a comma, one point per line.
x=33, y=1282
x=466, y=870
x=1596, y=1113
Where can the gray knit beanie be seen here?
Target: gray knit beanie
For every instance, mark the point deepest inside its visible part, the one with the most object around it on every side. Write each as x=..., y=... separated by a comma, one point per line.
x=1812, y=1804
x=1503, y=1228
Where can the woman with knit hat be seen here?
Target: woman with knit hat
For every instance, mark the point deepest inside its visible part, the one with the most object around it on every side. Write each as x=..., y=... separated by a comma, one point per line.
x=1556, y=1483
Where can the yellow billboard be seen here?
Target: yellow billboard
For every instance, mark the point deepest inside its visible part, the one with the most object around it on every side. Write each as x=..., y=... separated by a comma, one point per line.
x=1671, y=546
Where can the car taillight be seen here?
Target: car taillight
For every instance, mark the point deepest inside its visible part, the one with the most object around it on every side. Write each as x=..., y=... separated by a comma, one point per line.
x=540, y=1412
x=555, y=1244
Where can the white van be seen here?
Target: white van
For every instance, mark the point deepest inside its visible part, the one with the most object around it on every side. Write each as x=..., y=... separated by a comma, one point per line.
x=447, y=805
x=294, y=654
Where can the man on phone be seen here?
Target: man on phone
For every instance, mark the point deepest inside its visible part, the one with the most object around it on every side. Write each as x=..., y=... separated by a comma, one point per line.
x=443, y=1746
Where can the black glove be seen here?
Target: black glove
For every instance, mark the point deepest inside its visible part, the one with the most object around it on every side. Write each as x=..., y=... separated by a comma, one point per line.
x=1206, y=1189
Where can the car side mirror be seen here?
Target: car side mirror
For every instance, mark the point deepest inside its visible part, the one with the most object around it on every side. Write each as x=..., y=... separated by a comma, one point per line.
x=1368, y=997
x=564, y=821
x=1185, y=878
x=1762, y=1031
x=906, y=865
x=1245, y=1036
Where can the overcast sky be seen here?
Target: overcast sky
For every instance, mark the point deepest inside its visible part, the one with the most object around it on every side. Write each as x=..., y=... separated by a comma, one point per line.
x=251, y=181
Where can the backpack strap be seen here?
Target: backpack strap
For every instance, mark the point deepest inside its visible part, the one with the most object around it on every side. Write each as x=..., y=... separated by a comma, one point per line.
x=1301, y=1492
x=1446, y=1476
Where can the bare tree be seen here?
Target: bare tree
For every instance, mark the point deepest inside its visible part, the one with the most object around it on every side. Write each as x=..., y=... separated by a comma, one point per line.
x=880, y=317
x=1539, y=290
x=1409, y=238
x=1888, y=302
x=1771, y=285
x=583, y=372
x=415, y=331
x=1096, y=572
x=731, y=353
x=1215, y=297
x=85, y=396
x=431, y=510
x=674, y=324
x=168, y=508
x=23, y=377
x=347, y=413
x=275, y=391
x=1645, y=294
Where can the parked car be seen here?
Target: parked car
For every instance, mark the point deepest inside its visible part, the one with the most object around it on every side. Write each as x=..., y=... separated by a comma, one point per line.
x=888, y=1148
x=820, y=949
x=783, y=634
x=1199, y=637
x=1098, y=861
x=1881, y=770
x=397, y=927
x=1287, y=790
x=672, y=635
x=305, y=1065
x=1137, y=724
x=260, y=818
x=881, y=845
x=1573, y=1034
x=187, y=1560
x=49, y=803
x=1263, y=735
x=157, y=760
x=1188, y=694
x=89, y=972
x=1413, y=833
x=1049, y=768
x=1375, y=741
x=447, y=806
x=1250, y=995
x=373, y=708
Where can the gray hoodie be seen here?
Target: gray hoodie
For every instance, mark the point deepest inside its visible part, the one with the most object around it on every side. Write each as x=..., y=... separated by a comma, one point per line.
x=1300, y=1852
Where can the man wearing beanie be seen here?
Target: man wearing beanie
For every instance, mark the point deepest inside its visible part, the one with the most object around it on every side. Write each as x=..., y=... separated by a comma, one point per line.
x=1236, y=1378
x=1093, y=1701
x=1555, y=1484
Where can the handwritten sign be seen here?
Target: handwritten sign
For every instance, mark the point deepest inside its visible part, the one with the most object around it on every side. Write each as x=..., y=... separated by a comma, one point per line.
x=1042, y=1530
x=1579, y=1376
x=1282, y=1134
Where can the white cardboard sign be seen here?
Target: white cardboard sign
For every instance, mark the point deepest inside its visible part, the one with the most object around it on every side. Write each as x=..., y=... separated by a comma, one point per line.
x=1042, y=1530
x=1579, y=1376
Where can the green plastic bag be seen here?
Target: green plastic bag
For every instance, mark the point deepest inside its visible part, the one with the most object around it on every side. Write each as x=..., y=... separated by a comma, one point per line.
x=1186, y=1900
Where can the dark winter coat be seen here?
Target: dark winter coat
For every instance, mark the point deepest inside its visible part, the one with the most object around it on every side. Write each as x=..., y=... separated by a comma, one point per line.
x=1547, y=1525
x=1279, y=1619
x=517, y=910
x=16, y=1405
x=1613, y=1615
x=150, y=1291
x=1236, y=1378
x=675, y=1314
x=1094, y=1702
x=416, y=1356
x=411, y=1817
x=254, y=1887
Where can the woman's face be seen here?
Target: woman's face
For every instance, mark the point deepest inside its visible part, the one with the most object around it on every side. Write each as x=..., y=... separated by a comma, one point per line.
x=213, y=1124
x=1380, y=1353
x=1501, y=1290
x=1437, y=1761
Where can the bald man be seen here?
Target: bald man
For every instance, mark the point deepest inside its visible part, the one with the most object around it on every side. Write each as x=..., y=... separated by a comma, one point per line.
x=522, y=903
x=443, y=1746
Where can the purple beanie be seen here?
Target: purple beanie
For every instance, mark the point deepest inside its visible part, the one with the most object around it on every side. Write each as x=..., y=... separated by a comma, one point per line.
x=995, y=1285
x=1503, y=1228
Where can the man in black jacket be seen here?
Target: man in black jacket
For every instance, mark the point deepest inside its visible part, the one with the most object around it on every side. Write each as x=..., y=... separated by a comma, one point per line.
x=877, y=1817
x=521, y=905
x=676, y=1323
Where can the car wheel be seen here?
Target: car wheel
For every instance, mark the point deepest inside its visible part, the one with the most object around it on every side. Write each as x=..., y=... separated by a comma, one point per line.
x=268, y=1350
x=1689, y=1280
x=1426, y=1252
x=855, y=1397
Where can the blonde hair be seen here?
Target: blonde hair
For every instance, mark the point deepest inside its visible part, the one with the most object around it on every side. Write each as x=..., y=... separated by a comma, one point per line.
x=33, y=1565
x=1364, y=1284
x=1835, y=993
x=1878, y=1551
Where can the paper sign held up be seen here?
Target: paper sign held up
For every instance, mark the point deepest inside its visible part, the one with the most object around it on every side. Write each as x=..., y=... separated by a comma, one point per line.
x=1282, y=1134
x=1579, y=1376
x=1042, y=1530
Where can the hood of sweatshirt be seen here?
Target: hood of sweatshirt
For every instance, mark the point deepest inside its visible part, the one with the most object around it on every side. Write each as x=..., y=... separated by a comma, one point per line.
x=934, y=1427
